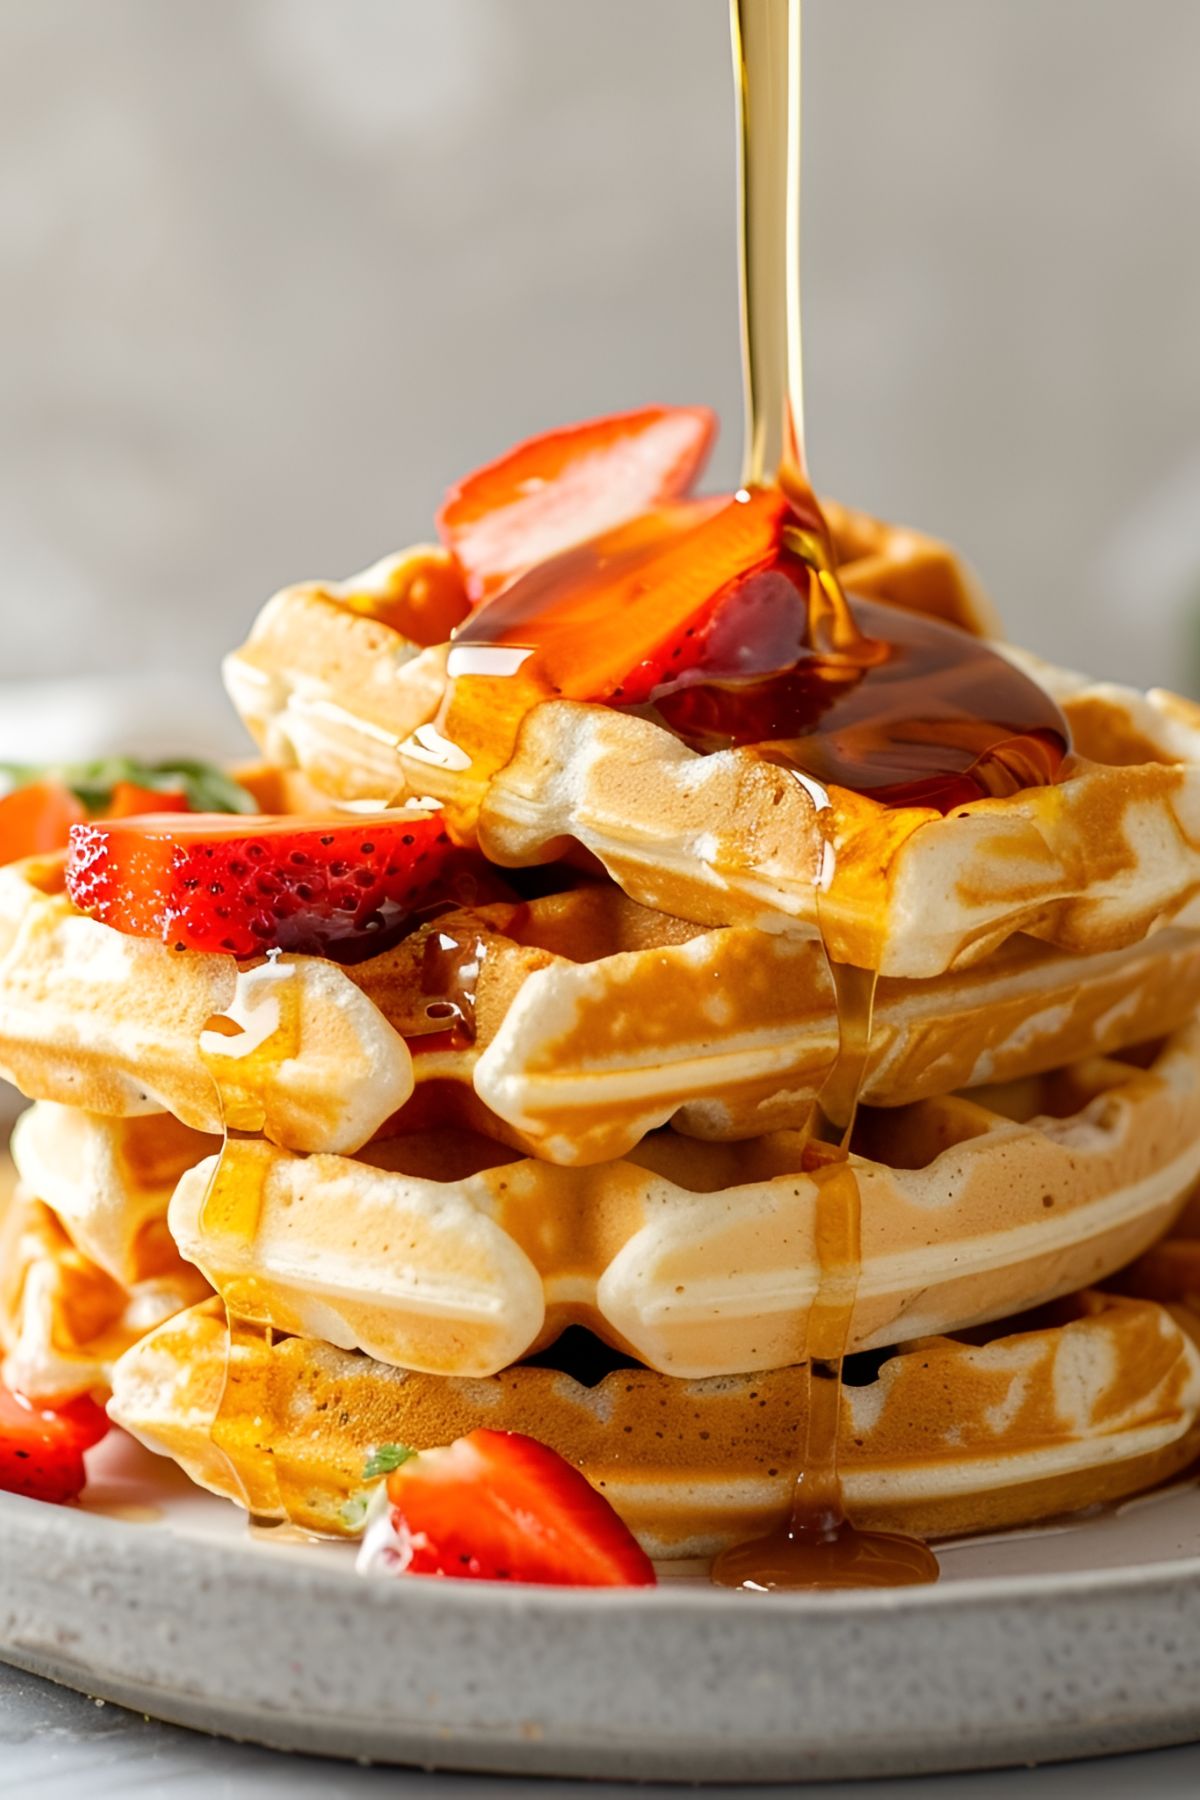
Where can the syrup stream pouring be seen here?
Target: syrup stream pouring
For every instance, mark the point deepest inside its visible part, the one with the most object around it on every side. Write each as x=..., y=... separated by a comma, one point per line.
x=816, y=1546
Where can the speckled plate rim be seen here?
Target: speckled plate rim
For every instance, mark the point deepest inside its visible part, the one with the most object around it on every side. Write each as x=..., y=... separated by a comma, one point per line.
x=683, y=1683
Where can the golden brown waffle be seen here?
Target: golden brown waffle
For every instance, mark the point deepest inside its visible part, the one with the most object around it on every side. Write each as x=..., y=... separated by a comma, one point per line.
x=1090, y=864
x=441, y=1252
x=1096, y=1403
x=628, y=1020
x=117, y=1024
x=107, y=1181
x=1094, y=862
x=332, y=678
x=64, y=1321
x=595, y=1020
x=318, y=684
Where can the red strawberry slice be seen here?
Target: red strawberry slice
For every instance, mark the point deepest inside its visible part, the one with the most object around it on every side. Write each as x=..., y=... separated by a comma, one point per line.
x=130, y=800
x=212, y=881
x=756, y=623
x=81, y=1420
x=37, y=818
x=497, y=1506
x=41, y=1448
x=570, y=485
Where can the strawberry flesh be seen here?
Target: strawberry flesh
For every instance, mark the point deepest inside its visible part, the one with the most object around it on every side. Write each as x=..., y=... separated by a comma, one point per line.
x=710, y=619
x=605, y=621
x=567, y=486
x=41, y=1448
x=36, y=819
x=499, y=1506
x=130, y=800
x=209, y=881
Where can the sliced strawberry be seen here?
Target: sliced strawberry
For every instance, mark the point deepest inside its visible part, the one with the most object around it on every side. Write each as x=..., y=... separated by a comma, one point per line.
x=604, y=621
x=208, y=881
x=130, y=801
x=80, y=1420
x=37, y=818
x=568, y=486
x=497, y=1506
x=41, y=1448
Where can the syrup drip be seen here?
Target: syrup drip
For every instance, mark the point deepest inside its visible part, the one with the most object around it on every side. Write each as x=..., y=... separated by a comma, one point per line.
x=233, y=1206
x=816, y=1546
x=724, y=619
x=450, y=969
x=231, y=1209
x=910, y=710
x=766, y=59
x=933, y=720
x=242, y=1054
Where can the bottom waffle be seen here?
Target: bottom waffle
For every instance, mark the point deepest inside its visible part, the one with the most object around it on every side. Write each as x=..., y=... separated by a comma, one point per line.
x=1090, y=1403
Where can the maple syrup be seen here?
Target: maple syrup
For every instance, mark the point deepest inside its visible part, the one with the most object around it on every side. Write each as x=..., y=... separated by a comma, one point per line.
x=816, y=1546
x=450, y=966
x=706, y=624
x=242, y=1053
x=234, y=1206
x=905, y=725
x=724, y=619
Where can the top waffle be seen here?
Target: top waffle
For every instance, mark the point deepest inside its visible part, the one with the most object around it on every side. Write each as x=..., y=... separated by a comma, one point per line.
x=1112, y=850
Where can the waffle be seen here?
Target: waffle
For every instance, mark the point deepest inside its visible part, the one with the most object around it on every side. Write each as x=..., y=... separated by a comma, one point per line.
x=1094, y=862
x=64, y=1321
x=115, y=1024
x=946, y=1437
x=584, y=1115
x=440, y=1252
x=1097, y=860
x=1170, y=1270
x=107, y=1181
x=595, y=1021
x=332, y=676
x=730, y=1033
x=332, y=679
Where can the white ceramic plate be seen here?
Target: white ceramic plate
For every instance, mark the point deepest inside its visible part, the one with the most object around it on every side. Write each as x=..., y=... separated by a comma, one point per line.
x=1036, y=1645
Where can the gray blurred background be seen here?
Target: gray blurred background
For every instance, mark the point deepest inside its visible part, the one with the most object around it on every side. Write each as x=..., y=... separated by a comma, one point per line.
x=273, y=272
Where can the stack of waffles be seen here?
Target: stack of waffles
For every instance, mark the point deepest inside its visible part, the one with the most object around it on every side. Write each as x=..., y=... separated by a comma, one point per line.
x=542, y=1163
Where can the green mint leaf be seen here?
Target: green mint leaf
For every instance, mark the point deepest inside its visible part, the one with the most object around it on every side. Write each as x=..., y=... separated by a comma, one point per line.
x=384, y=1458
x=208, y=788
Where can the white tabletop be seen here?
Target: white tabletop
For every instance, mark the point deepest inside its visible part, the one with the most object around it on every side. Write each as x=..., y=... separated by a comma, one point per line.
x=58, y=1746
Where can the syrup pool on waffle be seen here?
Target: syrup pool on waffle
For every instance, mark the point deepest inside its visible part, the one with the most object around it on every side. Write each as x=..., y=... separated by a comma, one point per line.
x=713, y=620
